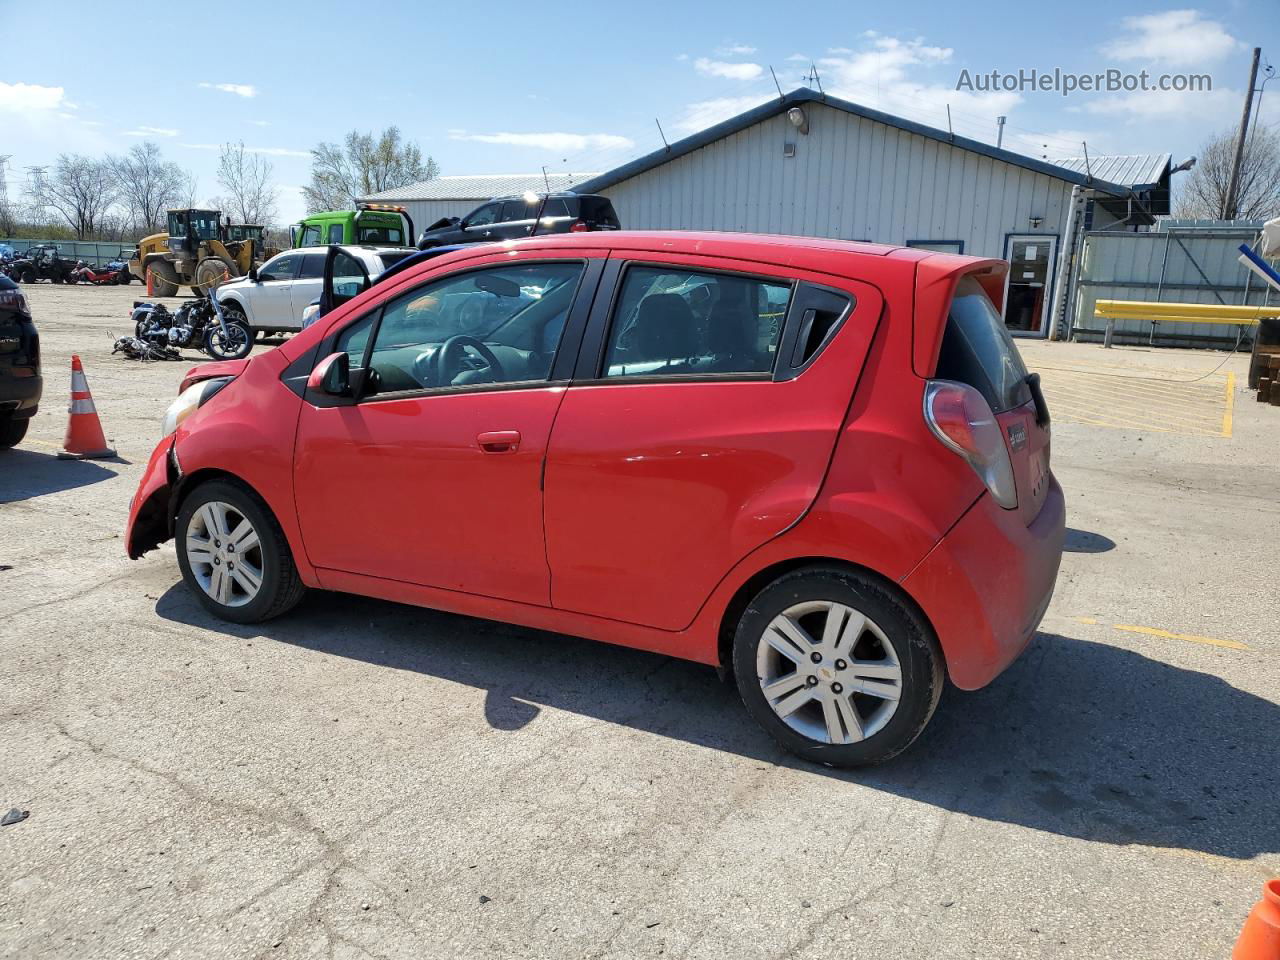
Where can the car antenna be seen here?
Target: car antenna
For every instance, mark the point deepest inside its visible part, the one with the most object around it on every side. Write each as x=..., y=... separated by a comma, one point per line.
x=537, y=221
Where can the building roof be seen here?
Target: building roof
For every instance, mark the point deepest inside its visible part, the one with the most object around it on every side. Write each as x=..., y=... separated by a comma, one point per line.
x=479, y=188
x=804, y=95
x=1139, y=171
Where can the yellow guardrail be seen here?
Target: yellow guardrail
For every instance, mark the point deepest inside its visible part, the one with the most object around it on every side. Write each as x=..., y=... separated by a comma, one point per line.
x=1157, y=311
x=1163, y=312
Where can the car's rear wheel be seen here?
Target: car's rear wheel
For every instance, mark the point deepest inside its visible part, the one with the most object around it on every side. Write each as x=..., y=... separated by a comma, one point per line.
x=234, y=556
x=12, y=430
x=836, y=666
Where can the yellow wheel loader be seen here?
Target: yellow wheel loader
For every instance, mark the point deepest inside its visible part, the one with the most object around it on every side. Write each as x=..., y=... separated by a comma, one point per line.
x=197, y=252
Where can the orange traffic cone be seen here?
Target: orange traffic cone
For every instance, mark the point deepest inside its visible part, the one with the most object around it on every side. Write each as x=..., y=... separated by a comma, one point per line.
x=84, y=431
x=1260, y=938
x=150, y=285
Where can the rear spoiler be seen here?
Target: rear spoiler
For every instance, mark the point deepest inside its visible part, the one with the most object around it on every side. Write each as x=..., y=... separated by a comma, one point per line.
x=936, y=279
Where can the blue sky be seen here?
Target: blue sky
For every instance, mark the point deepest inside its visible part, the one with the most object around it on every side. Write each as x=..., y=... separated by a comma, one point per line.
x=502, y=87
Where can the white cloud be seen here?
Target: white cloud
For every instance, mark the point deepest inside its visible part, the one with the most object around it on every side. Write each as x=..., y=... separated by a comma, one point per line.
x=682, y=57
x=735, y=50
x=150, y=132
x=1209, y=107
x=729, y=71
x=1174, y=37
x=265, y=151
x=890, y=74
x=260, y=123
x=31, y=97
x=554, y=141
x=239, y=89
x=799, y=58
x=707, y=113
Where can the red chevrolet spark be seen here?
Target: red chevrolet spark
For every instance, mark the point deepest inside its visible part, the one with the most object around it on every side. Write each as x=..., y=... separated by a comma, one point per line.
x=818, y=464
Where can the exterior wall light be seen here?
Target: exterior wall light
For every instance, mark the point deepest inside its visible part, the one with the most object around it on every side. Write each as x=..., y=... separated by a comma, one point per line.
x=798, y=119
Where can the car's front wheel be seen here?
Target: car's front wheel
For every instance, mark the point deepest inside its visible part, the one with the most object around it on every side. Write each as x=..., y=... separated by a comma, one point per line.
x=234, y=556
x=837, y=666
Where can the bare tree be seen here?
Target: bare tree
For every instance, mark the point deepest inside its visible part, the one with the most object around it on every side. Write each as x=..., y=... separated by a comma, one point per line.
x=341, y=175
x=246, y=177
x=1204, y=194
x=148, y=185
x=81, y=189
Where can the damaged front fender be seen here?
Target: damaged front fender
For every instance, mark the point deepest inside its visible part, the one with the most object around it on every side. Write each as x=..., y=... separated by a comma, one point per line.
x=149, y=510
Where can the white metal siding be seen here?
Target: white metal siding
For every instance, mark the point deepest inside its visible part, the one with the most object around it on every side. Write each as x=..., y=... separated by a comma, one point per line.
x=850, y=177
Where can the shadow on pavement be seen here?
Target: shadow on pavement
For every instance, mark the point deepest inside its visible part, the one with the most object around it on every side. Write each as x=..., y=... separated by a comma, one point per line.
x=1082, y=541
x=1077, y=738
x=25, y=474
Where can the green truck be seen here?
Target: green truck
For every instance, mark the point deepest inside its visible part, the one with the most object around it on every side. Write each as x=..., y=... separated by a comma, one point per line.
x=370, y=224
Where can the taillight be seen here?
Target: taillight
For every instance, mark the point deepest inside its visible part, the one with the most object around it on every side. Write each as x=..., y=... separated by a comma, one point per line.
x=579, y=226
x=961, y=418
x=14, y=300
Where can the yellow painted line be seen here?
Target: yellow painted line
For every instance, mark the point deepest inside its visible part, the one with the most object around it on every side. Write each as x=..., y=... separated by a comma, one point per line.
x=1086, y=620
x=1189, y=637
x=43, y=443
x=1231, y=397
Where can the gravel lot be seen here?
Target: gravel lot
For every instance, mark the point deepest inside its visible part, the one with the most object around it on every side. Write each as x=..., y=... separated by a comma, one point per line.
x=364, y=779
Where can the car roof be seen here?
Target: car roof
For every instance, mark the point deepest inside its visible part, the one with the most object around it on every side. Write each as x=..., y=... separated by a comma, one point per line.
x=816, y=253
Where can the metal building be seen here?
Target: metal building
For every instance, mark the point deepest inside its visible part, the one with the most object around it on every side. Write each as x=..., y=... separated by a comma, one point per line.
x=1183, y=261
x=815, y=165
x=431, y=200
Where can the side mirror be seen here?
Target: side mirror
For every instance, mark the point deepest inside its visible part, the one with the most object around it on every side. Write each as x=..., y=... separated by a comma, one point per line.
x=332, y=375
x=253, y=274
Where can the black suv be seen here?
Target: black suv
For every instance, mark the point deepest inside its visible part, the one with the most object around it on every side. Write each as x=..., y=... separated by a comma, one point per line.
x=20, y=382
x=509, y=218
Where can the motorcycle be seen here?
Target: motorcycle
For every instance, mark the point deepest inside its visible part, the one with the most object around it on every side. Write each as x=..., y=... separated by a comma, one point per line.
x=199, y=324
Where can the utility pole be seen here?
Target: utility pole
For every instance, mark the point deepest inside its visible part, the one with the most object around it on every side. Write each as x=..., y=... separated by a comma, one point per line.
x=1000, y=132
x=1229, y=207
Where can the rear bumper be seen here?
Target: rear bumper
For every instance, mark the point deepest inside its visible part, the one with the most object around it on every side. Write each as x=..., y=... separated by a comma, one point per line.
x=20, y=396
x=987, y=583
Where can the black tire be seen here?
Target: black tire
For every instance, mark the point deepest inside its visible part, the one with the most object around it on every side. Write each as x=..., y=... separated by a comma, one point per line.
x=280, y=589
x=28, y=276
x=124, y=278
x=918, y=657
x=241, y=333
x=12, y=431
x=164, y=278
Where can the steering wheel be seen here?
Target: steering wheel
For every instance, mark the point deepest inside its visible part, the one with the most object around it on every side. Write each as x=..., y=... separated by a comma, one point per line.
x=448, y=359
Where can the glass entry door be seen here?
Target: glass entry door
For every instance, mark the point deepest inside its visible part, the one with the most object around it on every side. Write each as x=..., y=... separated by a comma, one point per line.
x=1026, y=303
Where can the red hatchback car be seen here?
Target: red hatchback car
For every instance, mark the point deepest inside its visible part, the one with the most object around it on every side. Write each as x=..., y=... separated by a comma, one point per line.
x=819, y=464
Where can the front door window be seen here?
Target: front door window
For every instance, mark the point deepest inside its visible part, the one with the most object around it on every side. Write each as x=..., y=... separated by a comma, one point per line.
x=497, y=325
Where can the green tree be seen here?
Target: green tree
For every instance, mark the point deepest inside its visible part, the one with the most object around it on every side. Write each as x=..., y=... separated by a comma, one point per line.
x=360, y=166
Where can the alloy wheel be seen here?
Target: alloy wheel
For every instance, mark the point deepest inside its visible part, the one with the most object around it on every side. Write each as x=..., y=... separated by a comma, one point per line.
x=224, y=553
x=829, y=672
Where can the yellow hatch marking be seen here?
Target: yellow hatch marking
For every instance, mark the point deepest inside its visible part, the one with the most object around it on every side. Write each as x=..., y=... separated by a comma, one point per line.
x=1189, y=637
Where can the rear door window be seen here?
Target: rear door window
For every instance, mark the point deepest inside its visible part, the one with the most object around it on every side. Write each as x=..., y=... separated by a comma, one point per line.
x=312, y=267
x=671, y=321
x=978, y=350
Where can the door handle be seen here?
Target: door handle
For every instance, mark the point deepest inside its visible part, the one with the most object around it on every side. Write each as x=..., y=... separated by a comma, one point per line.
x=499, y=441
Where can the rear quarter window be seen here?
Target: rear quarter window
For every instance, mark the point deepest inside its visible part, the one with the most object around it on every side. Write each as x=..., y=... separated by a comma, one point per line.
x=978, y=350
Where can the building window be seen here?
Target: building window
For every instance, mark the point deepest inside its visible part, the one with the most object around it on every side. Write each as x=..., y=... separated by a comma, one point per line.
x=939, y=246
